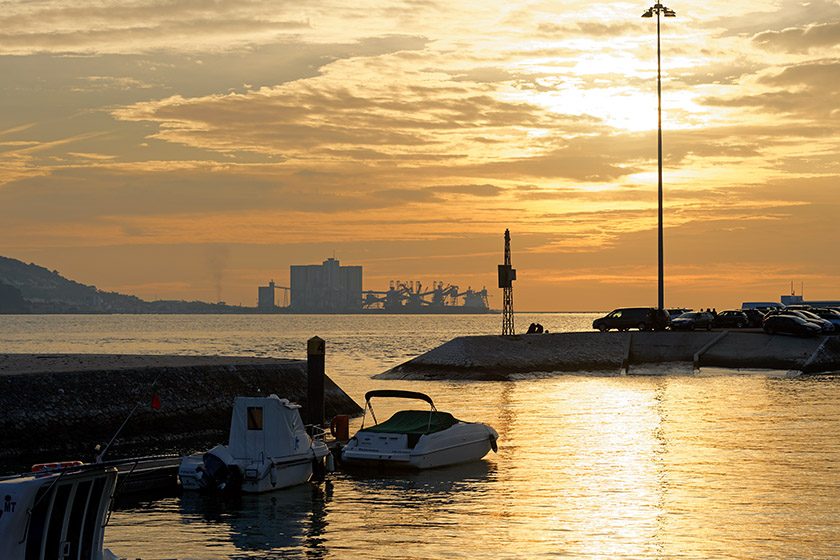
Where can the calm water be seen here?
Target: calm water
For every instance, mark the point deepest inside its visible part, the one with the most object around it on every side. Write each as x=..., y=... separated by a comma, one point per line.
x=715, y=465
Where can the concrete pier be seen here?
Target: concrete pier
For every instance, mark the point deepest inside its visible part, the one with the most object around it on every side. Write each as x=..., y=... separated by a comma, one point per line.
x=59, y=407
x=493, y=357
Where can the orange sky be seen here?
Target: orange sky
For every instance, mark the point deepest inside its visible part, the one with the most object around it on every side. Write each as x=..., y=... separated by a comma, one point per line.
x=194, y=150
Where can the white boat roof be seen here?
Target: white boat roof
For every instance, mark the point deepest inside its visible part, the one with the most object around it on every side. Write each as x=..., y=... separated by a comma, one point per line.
x=266, y=427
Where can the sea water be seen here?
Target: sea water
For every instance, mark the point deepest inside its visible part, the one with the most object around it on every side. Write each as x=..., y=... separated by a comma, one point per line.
x=715, y=464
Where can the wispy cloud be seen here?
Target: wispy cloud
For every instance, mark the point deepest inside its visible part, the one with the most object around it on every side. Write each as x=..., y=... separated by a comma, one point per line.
x=406, y=129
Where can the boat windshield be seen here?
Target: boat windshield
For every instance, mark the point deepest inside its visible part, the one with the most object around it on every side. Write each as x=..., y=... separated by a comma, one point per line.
x=414, y=422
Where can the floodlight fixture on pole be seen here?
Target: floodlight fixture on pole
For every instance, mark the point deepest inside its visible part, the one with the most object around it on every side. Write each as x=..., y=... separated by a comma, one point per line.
x=659, y=9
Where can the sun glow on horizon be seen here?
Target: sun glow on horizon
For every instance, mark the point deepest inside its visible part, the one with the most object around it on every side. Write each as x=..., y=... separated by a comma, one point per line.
x=392, y=130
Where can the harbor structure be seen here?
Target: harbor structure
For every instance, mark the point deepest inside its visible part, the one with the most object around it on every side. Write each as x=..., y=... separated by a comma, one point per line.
x=501, y=358
x=325, y=288
x=414, y=297
x=265, y=297
x=332, y=288
x=799, y=299
x=507, y=275
x=267, y=300
x=197, y=395
x=794, y=299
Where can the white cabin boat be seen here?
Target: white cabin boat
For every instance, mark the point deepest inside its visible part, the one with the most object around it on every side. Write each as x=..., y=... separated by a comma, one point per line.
x=268, y=449
x=415, y=439
x=56, y=512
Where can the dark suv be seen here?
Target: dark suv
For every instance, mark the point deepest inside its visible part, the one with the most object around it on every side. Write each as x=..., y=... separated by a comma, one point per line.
x=625, y=318
x=732, y=318
x=790, y=324
x=755, y=316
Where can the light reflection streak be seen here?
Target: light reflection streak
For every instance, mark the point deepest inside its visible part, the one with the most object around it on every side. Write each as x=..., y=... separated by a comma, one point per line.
x=588, y=467
x=668, y=467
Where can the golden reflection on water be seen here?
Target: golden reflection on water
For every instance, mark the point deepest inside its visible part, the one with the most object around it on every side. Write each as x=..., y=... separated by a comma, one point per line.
x=753, y=463
x=588, y=467
x=585, y=484
x=674, y=465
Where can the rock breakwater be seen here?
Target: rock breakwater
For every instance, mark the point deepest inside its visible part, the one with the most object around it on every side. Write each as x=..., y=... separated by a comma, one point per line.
x=59, y=407
x=491, y=357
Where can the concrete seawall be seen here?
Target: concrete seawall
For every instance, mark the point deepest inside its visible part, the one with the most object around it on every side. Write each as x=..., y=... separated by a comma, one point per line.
x=492, y=357
x=59, y=407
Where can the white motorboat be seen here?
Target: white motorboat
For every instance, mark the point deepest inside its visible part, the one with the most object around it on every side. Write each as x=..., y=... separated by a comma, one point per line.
x=269, y=449
x=56, y=511
x=417, y=439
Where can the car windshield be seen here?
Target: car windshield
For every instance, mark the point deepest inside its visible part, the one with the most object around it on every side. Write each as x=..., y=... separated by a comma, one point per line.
x=689, y=316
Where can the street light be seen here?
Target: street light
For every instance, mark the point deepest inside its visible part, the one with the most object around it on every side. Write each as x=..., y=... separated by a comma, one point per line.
x=667, y=12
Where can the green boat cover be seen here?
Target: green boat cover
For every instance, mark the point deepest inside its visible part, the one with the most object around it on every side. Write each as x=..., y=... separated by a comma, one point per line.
x=414, y=422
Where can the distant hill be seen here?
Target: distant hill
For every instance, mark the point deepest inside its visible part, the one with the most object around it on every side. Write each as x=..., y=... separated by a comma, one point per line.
x=29, y=288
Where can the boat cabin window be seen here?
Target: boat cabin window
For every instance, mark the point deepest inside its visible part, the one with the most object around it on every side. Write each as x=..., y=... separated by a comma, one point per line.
x=255, y=418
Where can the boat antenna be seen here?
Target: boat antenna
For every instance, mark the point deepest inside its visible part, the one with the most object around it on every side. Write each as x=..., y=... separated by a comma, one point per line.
x=99, y=457
x=130, y=414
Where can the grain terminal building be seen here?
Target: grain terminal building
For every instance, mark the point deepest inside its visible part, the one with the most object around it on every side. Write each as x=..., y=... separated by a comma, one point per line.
x=325, y=288
x=331, y=288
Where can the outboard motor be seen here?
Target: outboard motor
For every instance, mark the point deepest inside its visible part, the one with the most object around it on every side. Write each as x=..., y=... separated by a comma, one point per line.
x=220, y=471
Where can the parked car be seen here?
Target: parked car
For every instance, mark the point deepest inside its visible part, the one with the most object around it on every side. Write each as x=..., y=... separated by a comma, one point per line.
x=625, y=318
x=732, y=318
x=692, y=321
x=677, y=311
x=825, y=325
x=828, y=326
x=790, y=324
x=829, y=315
x=755, y=316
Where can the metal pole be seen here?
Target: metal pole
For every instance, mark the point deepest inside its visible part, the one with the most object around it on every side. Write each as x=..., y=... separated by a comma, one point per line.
x=506, y=277
x=659, y=10
x=659, y=128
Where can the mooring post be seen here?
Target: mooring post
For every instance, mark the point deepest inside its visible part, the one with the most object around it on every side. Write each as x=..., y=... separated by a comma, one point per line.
x=315, y=355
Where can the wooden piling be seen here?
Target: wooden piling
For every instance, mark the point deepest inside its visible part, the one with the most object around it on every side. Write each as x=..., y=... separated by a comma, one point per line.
x=315, y=360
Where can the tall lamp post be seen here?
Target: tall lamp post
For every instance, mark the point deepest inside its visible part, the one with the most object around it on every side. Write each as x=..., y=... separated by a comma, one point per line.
x=659, y=9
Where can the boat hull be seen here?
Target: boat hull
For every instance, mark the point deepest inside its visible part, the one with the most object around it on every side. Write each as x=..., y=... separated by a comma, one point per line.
x=255, y=477
x=57, y=513
x=277, y=474
x=461, y=443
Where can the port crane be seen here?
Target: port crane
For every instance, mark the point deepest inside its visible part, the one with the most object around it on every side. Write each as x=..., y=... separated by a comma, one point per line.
x=411, y=295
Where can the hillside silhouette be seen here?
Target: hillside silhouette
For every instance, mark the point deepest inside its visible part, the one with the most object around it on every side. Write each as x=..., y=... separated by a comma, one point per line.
x=29, y=288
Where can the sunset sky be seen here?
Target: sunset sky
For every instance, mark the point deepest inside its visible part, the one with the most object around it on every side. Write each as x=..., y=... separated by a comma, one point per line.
x=185, y=149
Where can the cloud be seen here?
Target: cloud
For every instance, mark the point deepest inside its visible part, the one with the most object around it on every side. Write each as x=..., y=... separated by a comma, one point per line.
x=326, y=118
x=140, y=27
x=93, y=83
x=416, y=132
x=800, y=39
x=485, y=190
x=804, y=91
x=588, y=29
